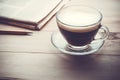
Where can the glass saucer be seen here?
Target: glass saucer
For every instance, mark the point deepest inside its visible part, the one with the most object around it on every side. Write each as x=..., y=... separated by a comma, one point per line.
x=60, y=43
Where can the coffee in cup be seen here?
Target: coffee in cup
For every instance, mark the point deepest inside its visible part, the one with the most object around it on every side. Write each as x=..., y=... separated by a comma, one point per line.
x=79, y=25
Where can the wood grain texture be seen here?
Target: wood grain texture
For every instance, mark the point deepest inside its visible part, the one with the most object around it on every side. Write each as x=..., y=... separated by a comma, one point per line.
x=59, y=67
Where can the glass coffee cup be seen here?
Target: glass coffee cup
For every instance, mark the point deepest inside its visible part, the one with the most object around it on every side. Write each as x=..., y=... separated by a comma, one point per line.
x=79, y=26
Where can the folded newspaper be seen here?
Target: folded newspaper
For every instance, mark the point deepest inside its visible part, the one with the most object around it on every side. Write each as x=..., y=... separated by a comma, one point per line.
x=31, y=14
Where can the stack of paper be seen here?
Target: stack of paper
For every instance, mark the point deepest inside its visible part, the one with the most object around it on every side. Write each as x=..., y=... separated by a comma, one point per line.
x=31, y=14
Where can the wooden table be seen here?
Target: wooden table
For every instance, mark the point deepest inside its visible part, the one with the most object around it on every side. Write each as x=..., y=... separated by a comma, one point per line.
x=33, y=57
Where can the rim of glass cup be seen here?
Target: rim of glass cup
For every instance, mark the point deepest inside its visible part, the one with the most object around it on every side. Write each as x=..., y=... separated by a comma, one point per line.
x=93, y=8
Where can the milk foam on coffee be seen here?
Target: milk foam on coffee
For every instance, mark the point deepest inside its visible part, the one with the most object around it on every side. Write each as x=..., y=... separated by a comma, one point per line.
x=79, y=19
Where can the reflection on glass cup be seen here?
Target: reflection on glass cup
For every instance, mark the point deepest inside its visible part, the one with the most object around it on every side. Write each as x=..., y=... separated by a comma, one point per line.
x=79, y=25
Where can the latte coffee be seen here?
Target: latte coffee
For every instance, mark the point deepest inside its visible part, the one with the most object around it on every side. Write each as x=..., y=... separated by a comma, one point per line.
x=78, y=25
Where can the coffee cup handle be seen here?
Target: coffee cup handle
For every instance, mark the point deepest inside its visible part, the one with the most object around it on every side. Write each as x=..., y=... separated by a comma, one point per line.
x=103, y=33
